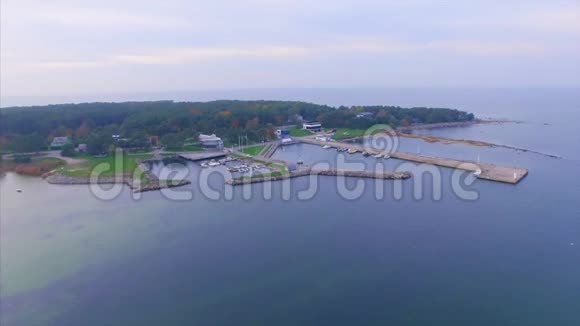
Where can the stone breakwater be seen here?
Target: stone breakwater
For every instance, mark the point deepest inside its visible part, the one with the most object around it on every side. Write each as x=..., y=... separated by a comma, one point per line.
x=149, y=182
x=136, y=186
x=329, y=172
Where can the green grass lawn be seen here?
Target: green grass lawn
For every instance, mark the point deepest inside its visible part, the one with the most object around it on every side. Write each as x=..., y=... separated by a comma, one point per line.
x=299, y=132
x=344, y=133
x=192, y=147
x=106, y=165
x=253, y=150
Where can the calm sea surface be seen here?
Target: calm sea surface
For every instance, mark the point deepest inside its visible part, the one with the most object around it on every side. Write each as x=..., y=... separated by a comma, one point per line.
x=511, y=257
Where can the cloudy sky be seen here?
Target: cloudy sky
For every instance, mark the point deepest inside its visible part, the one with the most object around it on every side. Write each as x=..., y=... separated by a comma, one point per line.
x=74, y=47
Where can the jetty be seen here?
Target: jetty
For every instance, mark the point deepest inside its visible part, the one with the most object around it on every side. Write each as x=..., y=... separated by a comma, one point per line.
x=202, y=156
x=324, y=172
x=486, y=171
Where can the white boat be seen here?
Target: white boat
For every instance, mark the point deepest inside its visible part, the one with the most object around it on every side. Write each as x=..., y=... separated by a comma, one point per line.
x=204, y=165
x=386, y=157
x=477, y=173
x=351, y=151
x=326, y=146
x=379, y=156
x=214, y=163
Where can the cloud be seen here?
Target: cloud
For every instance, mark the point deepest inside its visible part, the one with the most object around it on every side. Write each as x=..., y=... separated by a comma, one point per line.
x=561, y=20
x=369, y=46
x=98, y=18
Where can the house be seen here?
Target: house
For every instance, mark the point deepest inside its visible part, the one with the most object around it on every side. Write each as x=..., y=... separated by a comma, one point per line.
x=282, y=133
x=210, y=141
x=364, y=115
x=59, y=142
x=82, y=148
x=313, y=126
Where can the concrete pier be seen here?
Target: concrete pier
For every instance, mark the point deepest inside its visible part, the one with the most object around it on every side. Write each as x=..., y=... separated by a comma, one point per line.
x=201, y=156
x=326, y=172
x=492, y=172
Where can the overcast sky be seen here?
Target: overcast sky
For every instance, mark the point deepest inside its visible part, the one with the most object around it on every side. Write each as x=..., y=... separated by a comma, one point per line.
x=73, y=47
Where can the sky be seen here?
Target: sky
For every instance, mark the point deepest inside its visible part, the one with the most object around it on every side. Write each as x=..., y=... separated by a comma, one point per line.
x=91, y=47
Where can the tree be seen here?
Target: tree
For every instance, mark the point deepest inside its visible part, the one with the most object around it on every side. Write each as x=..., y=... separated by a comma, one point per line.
x=68, y=150
x=28, y=143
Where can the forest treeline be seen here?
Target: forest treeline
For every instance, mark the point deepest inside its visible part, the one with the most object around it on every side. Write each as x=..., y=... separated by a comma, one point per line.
x=25, y=129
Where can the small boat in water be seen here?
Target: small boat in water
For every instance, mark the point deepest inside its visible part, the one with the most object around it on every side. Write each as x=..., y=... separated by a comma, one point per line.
x=379, y=156
x=204, y=165
x=386, y=157
x=351, y=151
x=477, y=173
x=326, y=146
x=366, y=154
x=341, y=149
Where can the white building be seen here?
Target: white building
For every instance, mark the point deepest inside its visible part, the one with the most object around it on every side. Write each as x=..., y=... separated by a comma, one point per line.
x=313, y=126
x=58, y=142
x=212, y=141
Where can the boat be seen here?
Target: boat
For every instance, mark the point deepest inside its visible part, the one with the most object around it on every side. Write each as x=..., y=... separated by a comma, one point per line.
x=379, y=156
x=341, y=149
x=366, y=154
x=213, y=163
x=351, y=151
x=326, y=146
x=204, y=165
x=477, y=173
x=300, y=162
x=386, y=156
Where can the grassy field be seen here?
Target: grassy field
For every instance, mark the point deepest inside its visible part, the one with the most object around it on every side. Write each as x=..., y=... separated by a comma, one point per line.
x=192, y=147
x=253, y=150
x=344, y=133
x=106, y=165
x=299, y=132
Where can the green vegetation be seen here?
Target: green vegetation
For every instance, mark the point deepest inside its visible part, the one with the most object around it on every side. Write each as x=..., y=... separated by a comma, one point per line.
x=68, y=150
x=107, y=165
x=32, y=165
x=141, y=125
x=345, y=133
x=253, y=150
x=192, y=148
x=299, y=132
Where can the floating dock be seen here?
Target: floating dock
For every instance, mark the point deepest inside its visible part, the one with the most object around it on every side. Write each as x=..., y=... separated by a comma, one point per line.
x=492, y=172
